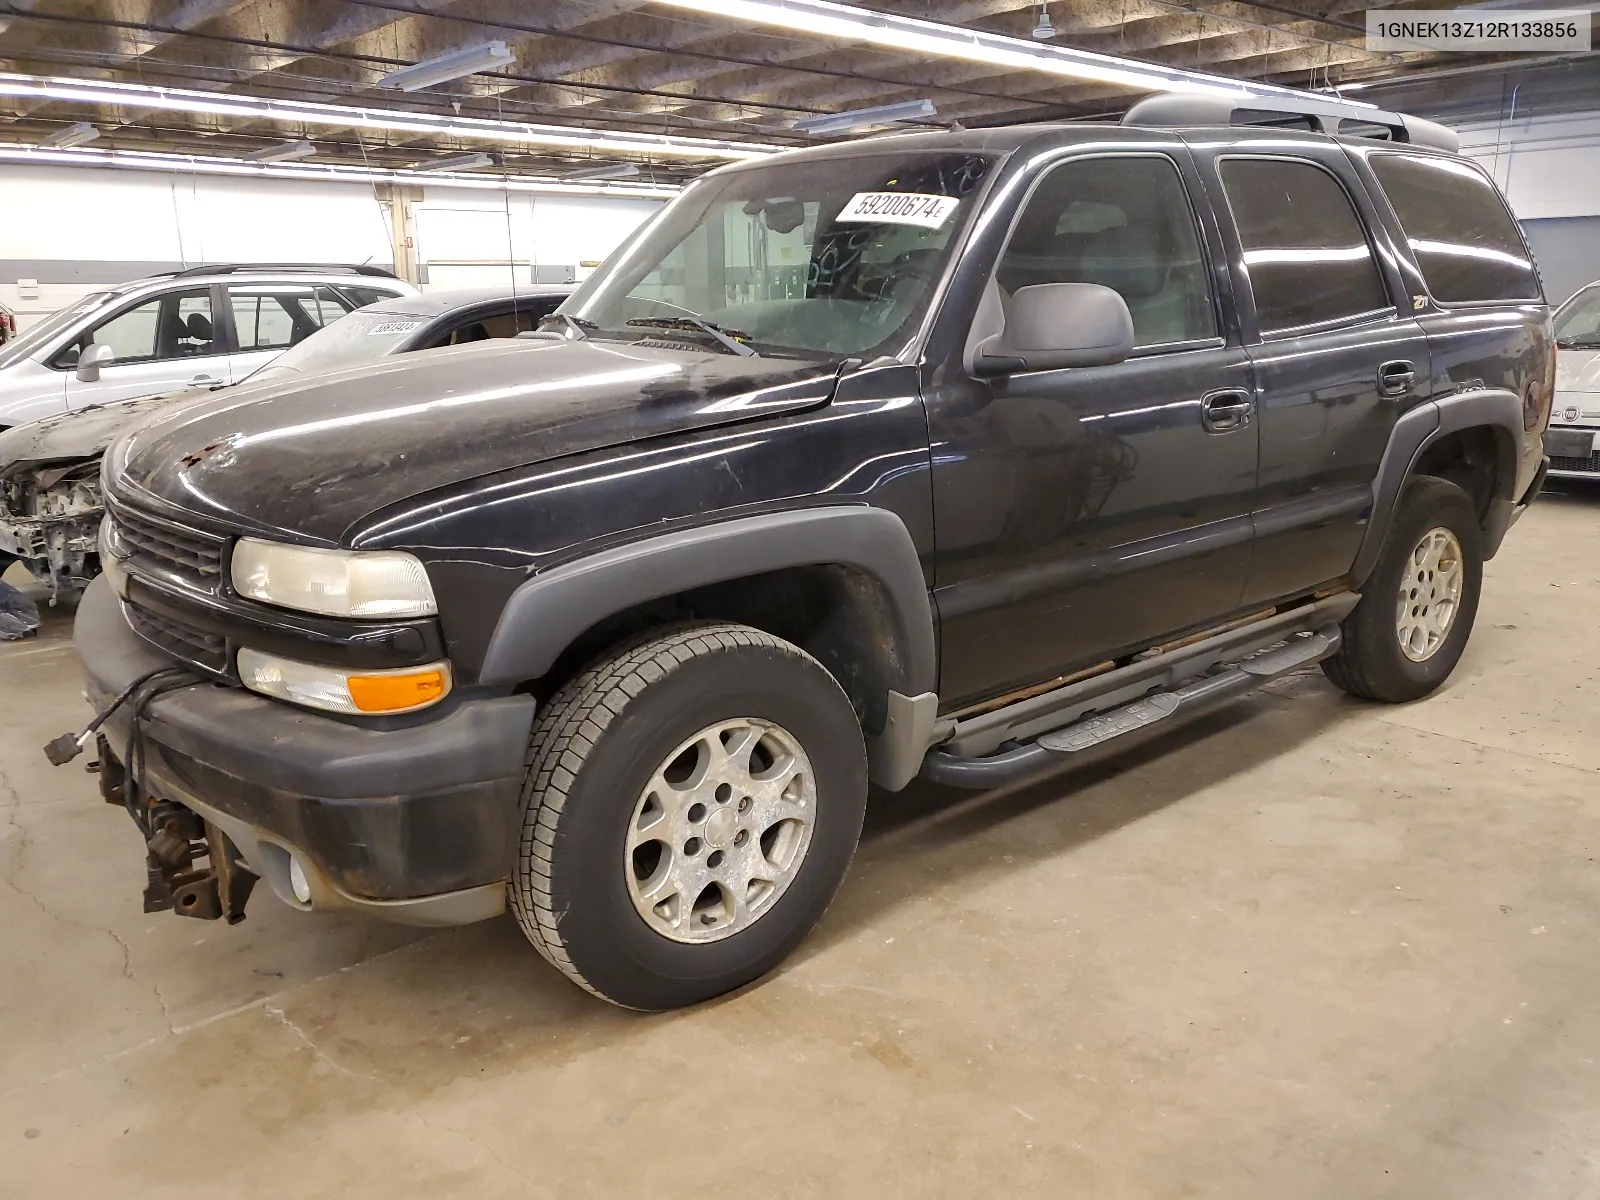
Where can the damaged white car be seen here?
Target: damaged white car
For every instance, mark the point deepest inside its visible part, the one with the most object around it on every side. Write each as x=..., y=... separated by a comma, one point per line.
x=50, y=505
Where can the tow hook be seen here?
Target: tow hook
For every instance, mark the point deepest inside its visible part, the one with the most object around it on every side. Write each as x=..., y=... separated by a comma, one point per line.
x=181, y=838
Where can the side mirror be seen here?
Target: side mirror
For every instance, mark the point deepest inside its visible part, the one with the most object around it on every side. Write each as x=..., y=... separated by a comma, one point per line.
x=91, y=360
x=1053, y=325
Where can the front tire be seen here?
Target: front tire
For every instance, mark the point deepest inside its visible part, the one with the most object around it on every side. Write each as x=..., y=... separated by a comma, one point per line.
x=1416, y=612
x=692, y=802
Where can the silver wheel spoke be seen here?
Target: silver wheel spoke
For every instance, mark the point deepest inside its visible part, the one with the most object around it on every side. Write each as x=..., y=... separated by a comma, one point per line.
x=720, y=831
x=1430, y=594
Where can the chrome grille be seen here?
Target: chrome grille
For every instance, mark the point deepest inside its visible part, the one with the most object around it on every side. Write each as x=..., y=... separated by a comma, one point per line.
x=191, y=553
x=204, y=650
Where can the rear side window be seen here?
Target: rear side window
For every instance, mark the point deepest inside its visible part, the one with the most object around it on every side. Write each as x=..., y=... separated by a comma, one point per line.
x=1304, y=246
x=1460, y=230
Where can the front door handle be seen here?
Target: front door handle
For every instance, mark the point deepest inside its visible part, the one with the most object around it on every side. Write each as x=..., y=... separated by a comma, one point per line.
x=1226, y=410
x=1395, y=378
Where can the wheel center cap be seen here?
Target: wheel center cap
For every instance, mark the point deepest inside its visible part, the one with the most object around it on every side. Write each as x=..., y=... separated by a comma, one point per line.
x=720, y=828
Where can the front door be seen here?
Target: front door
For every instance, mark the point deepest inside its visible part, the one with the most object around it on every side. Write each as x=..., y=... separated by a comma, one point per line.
x=1336, y=358
x=1082, y=513
x=165, y=344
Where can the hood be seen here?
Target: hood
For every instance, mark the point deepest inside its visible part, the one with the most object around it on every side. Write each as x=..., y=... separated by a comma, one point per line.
x=1578, y=371
x=309, y=458
x=84, y=432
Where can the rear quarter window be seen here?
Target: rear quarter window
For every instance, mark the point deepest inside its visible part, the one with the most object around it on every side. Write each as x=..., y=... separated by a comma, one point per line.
x=1460, y=231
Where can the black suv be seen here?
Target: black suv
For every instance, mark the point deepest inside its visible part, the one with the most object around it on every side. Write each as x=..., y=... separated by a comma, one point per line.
x=953, y=454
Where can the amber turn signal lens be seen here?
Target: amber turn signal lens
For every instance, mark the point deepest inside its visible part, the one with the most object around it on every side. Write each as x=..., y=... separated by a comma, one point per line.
x=397, y=692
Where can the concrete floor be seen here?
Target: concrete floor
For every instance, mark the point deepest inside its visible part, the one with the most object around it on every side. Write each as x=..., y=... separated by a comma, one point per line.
x=1309, y=948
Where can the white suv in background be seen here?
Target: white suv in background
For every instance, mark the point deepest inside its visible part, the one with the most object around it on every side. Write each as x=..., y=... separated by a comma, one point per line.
x=204, y=327
x=1571, y=441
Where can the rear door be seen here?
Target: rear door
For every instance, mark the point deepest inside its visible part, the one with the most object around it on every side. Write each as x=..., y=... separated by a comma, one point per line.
x=1338, y=354
x=165, y=343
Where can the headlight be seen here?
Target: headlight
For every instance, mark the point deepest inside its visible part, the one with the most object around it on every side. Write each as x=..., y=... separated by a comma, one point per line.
x=337, y=690
x=112, y=552
x=335, y=583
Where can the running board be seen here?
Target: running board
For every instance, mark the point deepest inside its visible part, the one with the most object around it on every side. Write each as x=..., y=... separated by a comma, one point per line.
x=1061, y=746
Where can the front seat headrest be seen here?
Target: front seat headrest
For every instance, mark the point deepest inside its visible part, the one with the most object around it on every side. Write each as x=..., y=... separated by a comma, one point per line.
x=1125, y=261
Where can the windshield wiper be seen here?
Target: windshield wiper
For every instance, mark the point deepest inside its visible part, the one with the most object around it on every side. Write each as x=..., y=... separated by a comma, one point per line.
x=726, y=338
x=1579, y=344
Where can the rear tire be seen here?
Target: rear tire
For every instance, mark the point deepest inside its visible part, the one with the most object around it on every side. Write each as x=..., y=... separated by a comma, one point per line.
x=692, y=802
x=1408, y=632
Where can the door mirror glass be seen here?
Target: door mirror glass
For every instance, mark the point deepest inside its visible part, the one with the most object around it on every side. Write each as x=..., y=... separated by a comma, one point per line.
x=91, y=360
x=1053, y=325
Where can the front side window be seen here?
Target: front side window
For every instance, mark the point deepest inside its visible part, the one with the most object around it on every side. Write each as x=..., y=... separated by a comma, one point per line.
x=1463, y=236
x=1305, y=249
x=1124, y=223
x=827, y=258
x=177, y=325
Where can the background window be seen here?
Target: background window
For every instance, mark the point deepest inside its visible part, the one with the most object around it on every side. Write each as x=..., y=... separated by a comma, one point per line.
x=132, y=334
x=1578, y=321
x=1124, y=223
x=364, y=296
x=275, y=318
x=177, y=325
x=1304, y=247
x=1460, y=231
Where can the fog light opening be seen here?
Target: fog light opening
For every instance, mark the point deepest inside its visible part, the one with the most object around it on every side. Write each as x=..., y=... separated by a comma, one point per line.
x=298, y=883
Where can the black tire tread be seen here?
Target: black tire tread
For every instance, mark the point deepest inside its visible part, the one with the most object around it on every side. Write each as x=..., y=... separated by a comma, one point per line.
x=1354, y=668
x=566, y=733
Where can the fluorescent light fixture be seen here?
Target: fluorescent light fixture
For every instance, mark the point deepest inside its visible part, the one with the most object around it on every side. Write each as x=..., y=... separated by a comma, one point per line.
x=194, y=164
x=456, y=162
x=73, y=135
x=907, y=35
x=305, y=112
x=607, y=171
x=862, y=118
x=487, y=57
x=283, y=153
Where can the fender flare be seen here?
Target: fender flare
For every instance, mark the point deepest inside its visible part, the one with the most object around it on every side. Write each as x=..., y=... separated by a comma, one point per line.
x=550, y=610
x=1419, y=428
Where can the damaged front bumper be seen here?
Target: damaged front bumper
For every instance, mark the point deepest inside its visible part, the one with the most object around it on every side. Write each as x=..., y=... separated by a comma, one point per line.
x=49, y=519
x=415, y=823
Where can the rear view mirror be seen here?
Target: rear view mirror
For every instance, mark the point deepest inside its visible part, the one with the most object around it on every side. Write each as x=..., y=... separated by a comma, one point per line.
x=91, y=360
x=1053, y=325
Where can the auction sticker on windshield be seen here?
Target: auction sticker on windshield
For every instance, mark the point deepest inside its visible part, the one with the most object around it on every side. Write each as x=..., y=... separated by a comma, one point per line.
x=399, y=325
x=900, y=208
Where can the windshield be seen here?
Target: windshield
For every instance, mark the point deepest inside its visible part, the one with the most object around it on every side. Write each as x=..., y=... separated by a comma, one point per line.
x=38, y=337
x=1578, y=321
x=825, y=258
x=362, y=337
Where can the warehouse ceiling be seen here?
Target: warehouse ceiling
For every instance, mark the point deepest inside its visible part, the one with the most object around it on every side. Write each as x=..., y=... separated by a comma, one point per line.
x=646, y=67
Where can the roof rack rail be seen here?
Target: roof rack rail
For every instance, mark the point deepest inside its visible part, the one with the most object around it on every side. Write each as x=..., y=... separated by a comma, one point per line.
x=325, y=268
x=1324, y=116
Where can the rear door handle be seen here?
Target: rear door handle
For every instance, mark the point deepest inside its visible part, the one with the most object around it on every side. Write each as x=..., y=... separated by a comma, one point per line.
x=206, y=381
x=1226, y=410
x=1395, y=378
